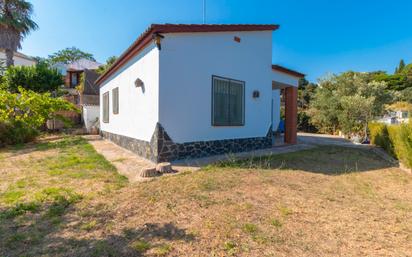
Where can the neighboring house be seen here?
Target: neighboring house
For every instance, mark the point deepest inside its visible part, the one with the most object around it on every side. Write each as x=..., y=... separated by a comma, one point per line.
x=188, y=91
x=18, y=58
x=396, y=117
x=87, y=98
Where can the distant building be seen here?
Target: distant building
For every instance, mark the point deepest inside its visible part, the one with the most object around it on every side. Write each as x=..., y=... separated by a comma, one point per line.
x=86, y=98
x=18, y=58
x=396, y=117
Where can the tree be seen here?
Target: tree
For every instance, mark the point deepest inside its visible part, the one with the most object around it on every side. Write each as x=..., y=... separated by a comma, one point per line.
x=109, y=62
x=24, y=112
x=306, y=90
x=348, y=102
x=39, y=78
x=401, y=66
x=324, y=107
x=15, y=24
x=69, y=55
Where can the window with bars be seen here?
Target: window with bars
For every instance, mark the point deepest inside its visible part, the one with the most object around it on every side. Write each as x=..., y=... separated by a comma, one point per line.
x=115, y=100
x=106, y=107
x=228, y=102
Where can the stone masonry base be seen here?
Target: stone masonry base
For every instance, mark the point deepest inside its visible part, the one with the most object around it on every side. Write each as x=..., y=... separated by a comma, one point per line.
x=161, y=147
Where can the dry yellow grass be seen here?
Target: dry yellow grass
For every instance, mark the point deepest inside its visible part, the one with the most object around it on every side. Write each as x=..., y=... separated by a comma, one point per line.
x=329, y=201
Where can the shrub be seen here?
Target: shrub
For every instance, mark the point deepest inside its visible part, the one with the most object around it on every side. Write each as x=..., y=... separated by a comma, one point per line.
x=402, y=139
x=379, y=135
x=39, y=78
x=16, y=133
x=395, y=139
x=23, y=113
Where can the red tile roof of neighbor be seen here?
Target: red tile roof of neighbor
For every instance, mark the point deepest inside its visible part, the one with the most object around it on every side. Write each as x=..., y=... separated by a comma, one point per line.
x=146, y=37
x=287, y=71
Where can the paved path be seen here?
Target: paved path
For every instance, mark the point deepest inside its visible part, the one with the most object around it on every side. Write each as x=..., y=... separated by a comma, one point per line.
x=323, y=139
x=126, y=162
x=130, y=165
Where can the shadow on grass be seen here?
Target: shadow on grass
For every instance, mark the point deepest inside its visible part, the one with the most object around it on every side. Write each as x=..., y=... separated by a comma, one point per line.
x=330, y=160
x=132, y=242
x=36, y=229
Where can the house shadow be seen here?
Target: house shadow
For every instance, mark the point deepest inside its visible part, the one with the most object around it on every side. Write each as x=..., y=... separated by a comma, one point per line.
x=324, y=159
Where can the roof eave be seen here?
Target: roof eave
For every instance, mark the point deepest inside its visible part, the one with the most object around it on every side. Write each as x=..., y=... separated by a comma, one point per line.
x=287, y=71
x=146, y=38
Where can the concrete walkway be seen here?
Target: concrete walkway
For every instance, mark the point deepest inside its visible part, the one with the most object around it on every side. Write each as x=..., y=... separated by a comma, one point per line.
x=126, y=162
x=130, y=165
x=323, y=139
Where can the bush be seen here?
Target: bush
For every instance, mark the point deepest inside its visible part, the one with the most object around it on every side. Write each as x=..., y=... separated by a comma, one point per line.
x=379, y=135
x=23, y=113
x=16, y=133
x=395, y=139
x=39, y=78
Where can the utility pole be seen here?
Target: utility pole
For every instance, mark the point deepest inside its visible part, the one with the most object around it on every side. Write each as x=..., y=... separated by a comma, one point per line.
x=204, y=11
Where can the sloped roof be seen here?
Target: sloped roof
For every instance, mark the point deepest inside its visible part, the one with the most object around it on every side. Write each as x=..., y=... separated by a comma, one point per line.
x=146, y=37
x=287, y=71
x=21, y=55
x=83, y=64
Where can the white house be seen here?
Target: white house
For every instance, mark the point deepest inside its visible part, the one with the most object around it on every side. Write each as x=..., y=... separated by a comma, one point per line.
x=188, y=91
x=18, y=58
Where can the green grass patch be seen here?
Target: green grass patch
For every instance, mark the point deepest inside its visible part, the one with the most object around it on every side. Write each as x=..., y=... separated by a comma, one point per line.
x=63, y=143
x=89, y=225
x=163, y=250
x=230, y=247
x=19, y=209
x=250, y=228
x=284, y=211
x=58, y=198
x=140, y=246
x=276, y=223
x=77, y=159
x=12, y=196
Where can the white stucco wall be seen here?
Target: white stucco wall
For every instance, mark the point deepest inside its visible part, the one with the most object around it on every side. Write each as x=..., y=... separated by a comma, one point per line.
x=276, y=108
x=138, y=107
x=91, y=115
x=187, y=63
x=18, y=61
x=285, y=78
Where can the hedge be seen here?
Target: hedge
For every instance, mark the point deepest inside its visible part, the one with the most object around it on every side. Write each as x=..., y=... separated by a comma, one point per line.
x=395, y=139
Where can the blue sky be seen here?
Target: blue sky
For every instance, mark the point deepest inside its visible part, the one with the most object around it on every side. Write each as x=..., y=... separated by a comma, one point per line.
x=316, y=37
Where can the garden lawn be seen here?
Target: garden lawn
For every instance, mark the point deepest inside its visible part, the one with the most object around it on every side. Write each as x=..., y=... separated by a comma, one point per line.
x=60, y=198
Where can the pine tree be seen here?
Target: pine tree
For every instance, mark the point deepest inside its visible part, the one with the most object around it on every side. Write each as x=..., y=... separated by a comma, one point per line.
x=400, y=67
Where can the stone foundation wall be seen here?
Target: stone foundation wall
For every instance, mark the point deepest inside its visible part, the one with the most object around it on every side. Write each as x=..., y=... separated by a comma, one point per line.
x=140, y=147
x=162, y=148
x=168, y=150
